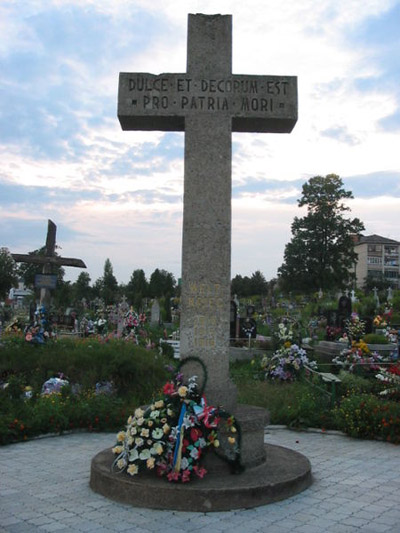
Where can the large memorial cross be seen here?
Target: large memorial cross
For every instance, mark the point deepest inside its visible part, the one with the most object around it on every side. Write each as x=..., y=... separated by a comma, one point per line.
x=208, y=102
x=48, y=260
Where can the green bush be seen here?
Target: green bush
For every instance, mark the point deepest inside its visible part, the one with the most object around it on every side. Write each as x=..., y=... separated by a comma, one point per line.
x=366, y=416
x=374, y=338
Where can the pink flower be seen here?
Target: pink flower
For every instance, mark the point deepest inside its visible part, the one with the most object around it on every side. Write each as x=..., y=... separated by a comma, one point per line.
x=173, y=476
x=185, y=476
x=199, y=471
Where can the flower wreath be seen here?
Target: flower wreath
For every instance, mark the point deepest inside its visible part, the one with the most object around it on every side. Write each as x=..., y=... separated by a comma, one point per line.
x=173, y=434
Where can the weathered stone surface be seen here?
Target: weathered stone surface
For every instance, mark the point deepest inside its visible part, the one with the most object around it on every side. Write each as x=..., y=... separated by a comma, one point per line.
x=283, y=474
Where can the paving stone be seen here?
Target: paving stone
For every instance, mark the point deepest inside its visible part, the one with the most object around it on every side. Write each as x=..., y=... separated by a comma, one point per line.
x=327, y=506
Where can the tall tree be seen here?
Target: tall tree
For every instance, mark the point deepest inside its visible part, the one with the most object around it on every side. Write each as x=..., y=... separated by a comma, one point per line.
x=109, y=284
x=8, y=273
x=321, y=253
x=162, y=283
x=137, y=288
x=258, y=284
x=82, y=288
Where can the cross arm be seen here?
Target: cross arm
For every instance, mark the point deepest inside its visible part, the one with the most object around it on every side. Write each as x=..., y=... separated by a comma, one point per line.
x=46, y=260
x=161, y=102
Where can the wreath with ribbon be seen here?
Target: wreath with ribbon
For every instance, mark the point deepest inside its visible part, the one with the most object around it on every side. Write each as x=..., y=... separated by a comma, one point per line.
x=173, y=434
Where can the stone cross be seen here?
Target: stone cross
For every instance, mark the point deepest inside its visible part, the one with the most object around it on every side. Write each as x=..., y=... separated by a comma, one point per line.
x=48, y=260
x=208, y=102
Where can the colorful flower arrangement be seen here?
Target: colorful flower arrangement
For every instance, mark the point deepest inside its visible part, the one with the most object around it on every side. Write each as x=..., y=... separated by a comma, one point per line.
x=355, y=327
x=380, y=322
x=358, y=356
x=288, y=361
x=173, y=434
x=391, y=377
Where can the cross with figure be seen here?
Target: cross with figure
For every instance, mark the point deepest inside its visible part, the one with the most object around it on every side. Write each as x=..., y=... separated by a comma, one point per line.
x=46, y=281
x=208, y=102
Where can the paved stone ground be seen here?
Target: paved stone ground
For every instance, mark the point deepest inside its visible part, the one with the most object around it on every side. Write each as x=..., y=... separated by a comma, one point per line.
x=44, y=487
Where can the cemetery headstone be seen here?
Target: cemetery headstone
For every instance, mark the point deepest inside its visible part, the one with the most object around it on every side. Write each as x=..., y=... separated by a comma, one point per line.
x=155, y=313
x=233, y=320
x=344, y=310
x=208, y=102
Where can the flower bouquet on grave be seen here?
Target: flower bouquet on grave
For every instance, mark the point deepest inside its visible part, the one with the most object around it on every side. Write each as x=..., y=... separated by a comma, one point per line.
x=288, y=361
x=358, y=358
x=355, y=327
x=173, y=435
x=390, y=376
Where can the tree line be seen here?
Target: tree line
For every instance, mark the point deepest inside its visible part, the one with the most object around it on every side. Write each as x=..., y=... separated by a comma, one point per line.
x=320, y=255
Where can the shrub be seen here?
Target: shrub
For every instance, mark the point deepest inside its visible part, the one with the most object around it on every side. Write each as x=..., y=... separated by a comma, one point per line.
x=374, y=338
x=365, y=416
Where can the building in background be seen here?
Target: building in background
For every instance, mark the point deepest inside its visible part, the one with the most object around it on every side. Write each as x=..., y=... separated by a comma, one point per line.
x=378, y=257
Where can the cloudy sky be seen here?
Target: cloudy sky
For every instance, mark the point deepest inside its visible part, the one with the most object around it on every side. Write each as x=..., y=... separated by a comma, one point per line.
x=118, y=195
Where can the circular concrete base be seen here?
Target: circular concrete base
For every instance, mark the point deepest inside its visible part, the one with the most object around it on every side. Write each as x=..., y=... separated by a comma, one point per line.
x=283, y=474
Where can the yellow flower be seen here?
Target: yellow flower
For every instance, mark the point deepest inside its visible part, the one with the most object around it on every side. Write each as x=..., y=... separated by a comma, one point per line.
x=150, y=463
x=158, y=448
x=139, y=413
x=144, y=432
x=132, y=470
x=233, y=429
x=118, y=449
x=216, y=443
x=182, y=391
x=170, y=412
x=166, y=428
x=130, y=420
x=288, y=344
x=121, y=464
x=231, y=440
x=121, y=436
x=159, y=404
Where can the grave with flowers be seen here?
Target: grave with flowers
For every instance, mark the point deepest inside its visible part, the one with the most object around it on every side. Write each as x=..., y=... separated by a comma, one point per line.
x=196, y=425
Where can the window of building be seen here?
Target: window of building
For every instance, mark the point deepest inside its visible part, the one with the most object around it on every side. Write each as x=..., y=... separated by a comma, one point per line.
x=374, y=260
x=374, y=248
x=391, y=274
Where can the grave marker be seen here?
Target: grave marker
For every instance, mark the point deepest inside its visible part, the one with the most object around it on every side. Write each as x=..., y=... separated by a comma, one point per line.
x=208, y=102
x=49, y=259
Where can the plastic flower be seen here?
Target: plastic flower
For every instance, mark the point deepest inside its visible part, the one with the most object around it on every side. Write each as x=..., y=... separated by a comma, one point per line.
x=132, y=470
x=157, y=433
x=118, y=449
x=182, y=391
x=158, y=448
x=121, y=436
x=139, y=413
x=121, y=464
x=168, y=389
x=150, y=463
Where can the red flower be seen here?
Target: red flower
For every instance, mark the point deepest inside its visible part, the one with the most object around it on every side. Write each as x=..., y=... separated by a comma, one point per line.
x=168, y=389
x=195, y=434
